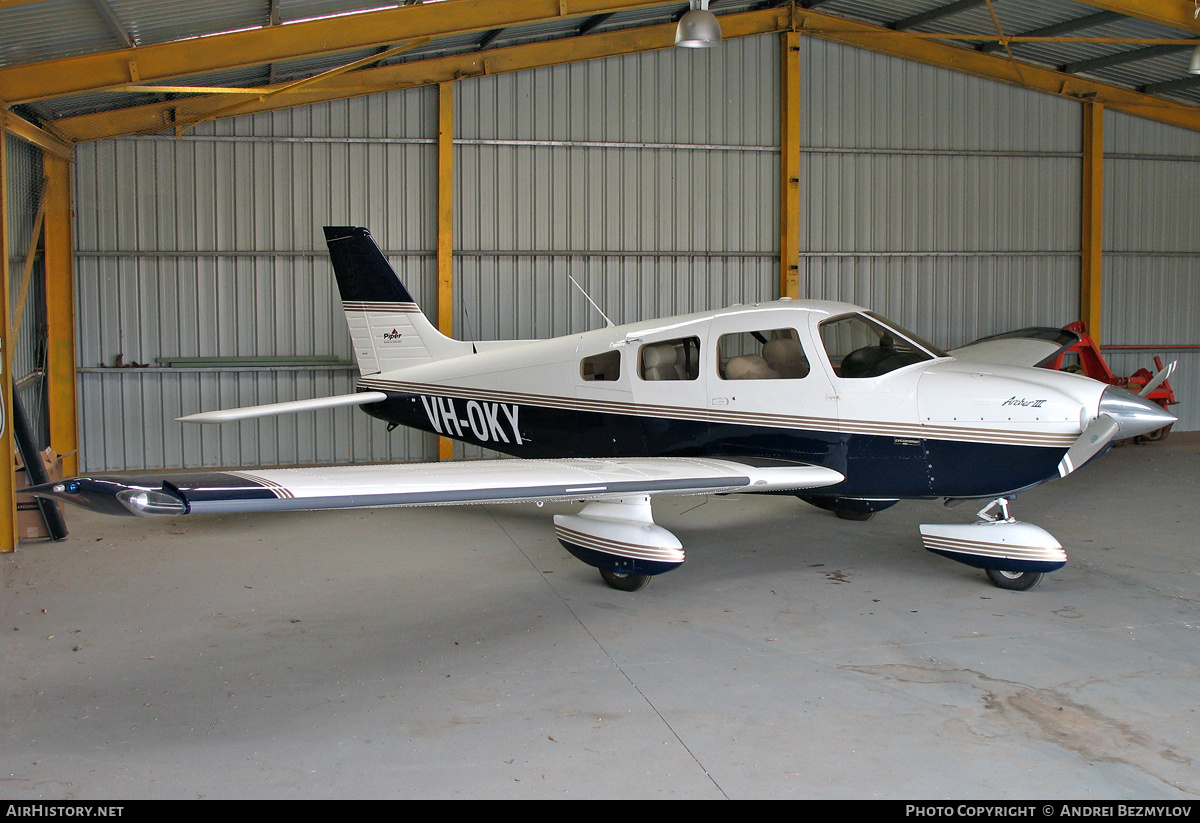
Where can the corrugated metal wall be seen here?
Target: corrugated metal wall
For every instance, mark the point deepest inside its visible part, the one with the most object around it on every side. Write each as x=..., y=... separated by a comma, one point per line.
x=27, y=296
x=1152, y=252
x=947, y=202
x=651, y=179
x=944, y=201
x=212, y=246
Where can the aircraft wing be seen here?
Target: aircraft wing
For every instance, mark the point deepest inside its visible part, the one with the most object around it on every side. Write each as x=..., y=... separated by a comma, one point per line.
x=1034, y=346
x=432, y=484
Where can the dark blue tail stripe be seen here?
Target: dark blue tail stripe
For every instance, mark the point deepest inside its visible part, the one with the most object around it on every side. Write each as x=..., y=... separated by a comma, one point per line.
x=363, y=273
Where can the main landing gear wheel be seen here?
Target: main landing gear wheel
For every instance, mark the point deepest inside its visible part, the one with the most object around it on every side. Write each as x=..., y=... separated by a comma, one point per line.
x=858, y=516
x=1015, y=581
x=625, y=582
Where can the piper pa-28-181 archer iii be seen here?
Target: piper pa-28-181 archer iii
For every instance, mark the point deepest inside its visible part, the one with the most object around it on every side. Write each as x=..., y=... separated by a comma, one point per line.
x=822, y=400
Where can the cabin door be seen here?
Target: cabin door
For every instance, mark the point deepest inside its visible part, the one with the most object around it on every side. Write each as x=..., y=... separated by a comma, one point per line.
x=669, y=382
x=765, y=395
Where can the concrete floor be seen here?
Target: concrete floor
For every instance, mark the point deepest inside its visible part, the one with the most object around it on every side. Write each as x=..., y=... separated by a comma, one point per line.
x=463, y=653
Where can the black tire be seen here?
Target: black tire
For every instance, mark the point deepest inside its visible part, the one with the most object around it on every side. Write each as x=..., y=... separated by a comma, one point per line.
x=859, y=516
x=625, y=582
x=1014, y=581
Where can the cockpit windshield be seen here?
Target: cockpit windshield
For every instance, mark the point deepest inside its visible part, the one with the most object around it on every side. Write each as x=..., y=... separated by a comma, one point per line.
x=867, y=345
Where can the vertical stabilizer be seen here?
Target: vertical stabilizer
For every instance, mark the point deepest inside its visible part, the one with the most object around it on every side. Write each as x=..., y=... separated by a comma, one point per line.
x=386, y=325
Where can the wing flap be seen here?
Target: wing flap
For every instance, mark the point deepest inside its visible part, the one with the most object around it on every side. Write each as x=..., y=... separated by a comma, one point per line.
x=433, y=484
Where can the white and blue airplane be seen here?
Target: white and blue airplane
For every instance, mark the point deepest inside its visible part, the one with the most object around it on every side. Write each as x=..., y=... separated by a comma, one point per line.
x=822, y=400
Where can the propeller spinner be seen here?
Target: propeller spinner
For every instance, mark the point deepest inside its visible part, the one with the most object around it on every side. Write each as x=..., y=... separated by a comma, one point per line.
x=1120, y=414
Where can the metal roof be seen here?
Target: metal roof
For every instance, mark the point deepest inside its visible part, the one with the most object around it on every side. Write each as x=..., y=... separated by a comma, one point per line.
x=1094, y=40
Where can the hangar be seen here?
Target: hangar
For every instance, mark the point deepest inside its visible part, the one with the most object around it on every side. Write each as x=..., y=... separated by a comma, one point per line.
x=963, y=167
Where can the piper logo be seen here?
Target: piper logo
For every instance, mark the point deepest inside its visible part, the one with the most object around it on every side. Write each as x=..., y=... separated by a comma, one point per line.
x=487, y=422
x=391, y=335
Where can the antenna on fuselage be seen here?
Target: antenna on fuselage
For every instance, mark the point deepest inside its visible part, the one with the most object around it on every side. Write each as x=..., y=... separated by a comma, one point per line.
x=590, y=300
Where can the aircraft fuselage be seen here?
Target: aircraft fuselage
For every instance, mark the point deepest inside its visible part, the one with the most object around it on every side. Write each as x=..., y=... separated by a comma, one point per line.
x=931, y=427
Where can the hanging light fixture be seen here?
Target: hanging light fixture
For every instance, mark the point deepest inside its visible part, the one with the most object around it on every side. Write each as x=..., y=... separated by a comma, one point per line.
x=698, y=28
x=1194, y=66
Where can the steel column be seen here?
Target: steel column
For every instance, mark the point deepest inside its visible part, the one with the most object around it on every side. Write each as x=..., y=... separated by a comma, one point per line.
x=1092, y=218
x=789, y=167
x=445, y=226
x=8, y=502
x=60, y=313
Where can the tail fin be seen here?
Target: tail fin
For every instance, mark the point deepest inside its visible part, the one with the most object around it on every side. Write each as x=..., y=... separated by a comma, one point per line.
x=386, y=325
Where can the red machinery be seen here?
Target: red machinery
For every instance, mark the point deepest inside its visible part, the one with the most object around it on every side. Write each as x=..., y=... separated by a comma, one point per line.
x=1091, y=364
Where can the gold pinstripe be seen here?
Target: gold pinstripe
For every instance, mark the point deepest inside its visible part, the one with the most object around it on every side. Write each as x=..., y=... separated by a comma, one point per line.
x=380, y=308
x=280, y=491
x=994, y=549
x=617, y=547
x=783, y=421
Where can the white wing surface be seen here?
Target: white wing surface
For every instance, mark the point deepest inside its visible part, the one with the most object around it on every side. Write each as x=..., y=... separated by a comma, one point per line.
x=433, y=484
x=1024, y=347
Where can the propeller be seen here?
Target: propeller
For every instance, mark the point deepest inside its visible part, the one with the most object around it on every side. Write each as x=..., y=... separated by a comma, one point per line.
x=1098, y=434
x=1158, y=379
x=1122, y=413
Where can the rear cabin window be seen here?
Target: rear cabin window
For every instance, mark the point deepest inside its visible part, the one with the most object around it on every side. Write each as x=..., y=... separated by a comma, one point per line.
x=860, y=347
x=670, y=360
x=770, y=354
x=606, y=366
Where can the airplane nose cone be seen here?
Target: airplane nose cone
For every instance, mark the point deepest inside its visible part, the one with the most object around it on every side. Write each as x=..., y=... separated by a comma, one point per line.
x=1133, y=414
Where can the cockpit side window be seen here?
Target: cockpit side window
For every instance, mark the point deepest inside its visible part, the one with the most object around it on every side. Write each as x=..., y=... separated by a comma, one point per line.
x=605, y=366
x=859, y=346
x=670, y=360
x=771, y=354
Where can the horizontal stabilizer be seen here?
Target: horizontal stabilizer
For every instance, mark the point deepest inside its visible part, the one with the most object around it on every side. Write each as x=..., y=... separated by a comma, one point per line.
x=432, y=484
x=287, y=407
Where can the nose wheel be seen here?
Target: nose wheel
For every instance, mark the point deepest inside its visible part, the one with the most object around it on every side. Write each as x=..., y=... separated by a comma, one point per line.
x=1015, y=555
x=625, y=582
x=1014, y=581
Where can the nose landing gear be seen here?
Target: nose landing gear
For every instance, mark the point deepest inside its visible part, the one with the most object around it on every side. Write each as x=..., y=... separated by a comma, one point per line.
x=1015, y=555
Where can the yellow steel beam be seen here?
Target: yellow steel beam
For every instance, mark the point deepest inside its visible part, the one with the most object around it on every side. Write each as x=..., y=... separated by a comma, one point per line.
x=970, y=61
x=27, y=270
x=157, y=117
x=445, y=226
x=164, y=116
x=270, y=44
x=1090, y=292
x=1023, y=38
x=1176, y=14
x=60, y=314
x=789, y=166
x=40, y=137
x=317, y=79
x=8, y=502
